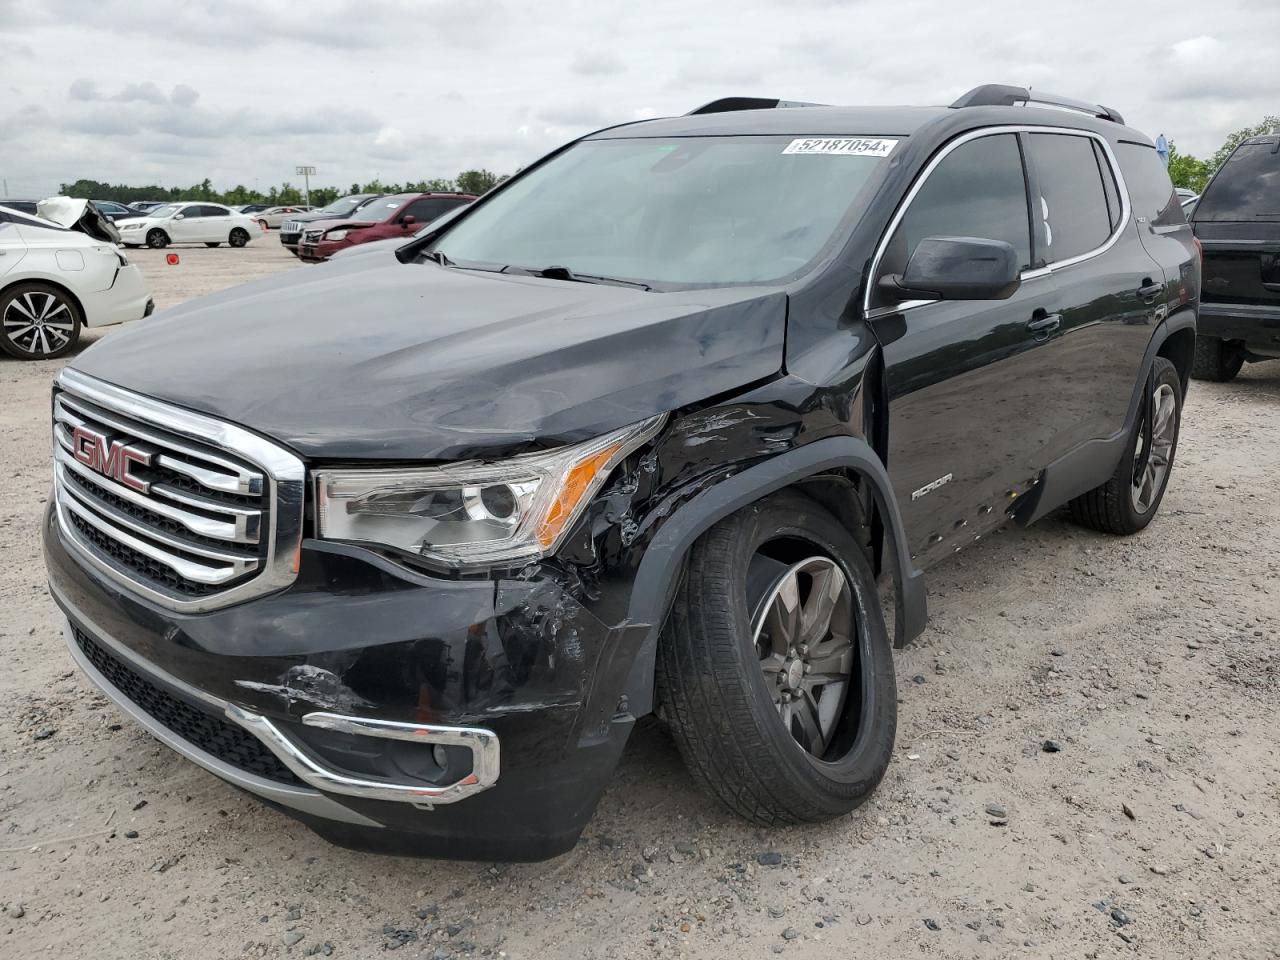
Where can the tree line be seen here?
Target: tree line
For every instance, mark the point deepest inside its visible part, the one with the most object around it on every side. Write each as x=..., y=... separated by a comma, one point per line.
x=1194, y=173
x=468, y=181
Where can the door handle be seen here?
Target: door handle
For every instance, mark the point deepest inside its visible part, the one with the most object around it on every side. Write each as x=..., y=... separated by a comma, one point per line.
x=1149, y=289
x=1042, y=324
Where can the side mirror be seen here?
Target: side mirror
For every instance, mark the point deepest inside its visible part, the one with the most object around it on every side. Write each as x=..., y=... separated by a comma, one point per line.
x=179, y=216
x=957, y=268
x=408, y=220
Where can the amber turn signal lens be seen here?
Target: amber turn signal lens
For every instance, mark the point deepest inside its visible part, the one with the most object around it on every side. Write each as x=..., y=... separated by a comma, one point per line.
x=576, y=485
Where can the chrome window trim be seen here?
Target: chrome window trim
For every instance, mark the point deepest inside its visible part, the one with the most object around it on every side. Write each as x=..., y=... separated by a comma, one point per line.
x=1126, y=209
x=285, y=475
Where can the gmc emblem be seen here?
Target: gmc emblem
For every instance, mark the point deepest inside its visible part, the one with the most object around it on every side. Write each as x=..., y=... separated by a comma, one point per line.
x=111, y=458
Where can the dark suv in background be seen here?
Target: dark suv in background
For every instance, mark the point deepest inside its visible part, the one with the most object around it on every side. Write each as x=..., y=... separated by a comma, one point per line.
x=341, y=209
x=1237, y=221
x=639, y=431
x=398, y=215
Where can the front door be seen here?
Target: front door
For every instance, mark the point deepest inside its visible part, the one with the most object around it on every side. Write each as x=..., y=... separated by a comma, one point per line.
x=190, y=228
x=970, y=403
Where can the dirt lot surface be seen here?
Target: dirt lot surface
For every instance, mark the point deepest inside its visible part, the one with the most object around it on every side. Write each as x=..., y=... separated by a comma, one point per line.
x=1152, y=663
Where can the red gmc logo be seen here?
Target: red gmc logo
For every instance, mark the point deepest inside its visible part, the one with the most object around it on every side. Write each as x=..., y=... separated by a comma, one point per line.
x=111, y=458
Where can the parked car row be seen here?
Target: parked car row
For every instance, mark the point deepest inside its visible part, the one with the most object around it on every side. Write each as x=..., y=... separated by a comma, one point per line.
x=378, y=218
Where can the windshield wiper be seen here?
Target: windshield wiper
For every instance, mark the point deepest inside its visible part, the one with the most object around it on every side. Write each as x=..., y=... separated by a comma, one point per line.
x=564, y=273
x=438, y=256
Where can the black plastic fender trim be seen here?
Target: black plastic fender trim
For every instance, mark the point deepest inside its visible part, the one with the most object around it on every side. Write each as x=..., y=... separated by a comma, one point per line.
x=1093, y=462
x=660, y=568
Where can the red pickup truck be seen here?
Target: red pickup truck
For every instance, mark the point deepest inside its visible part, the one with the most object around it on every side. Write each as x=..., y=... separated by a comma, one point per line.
x=398, y=215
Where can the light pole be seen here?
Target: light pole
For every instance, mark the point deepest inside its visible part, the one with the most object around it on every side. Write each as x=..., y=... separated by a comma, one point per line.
x=306, y=173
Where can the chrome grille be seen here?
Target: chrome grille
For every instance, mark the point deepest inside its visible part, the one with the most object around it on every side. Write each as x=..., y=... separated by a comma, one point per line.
x=291, y=226
x=202, y=514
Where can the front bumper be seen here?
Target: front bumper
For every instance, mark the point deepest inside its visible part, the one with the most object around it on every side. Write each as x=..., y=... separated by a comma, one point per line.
x=1256, y=325
x=359, y=665
x=315, y=252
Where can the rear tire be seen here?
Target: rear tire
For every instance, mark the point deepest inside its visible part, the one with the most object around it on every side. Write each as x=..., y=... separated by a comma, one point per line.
x=1127, y=502
x=724, y=689
x=38, y=321
x=1215, y=360
x=157, y=239
x=239, y=237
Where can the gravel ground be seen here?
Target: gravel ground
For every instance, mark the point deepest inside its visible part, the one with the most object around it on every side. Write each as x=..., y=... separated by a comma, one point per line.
x=1085, y=767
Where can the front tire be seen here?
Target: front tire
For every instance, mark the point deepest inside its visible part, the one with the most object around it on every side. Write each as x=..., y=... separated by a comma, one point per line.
x=38, y=322
x=238, y=237
x=157, y=239
x=1128, y=501
x=1216, y=360
x=775, y=671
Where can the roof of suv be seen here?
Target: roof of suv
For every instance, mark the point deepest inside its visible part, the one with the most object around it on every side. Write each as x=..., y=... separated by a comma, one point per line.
x=987, y=105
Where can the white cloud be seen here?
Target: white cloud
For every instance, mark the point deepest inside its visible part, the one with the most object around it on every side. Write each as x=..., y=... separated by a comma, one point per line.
x=243, y=90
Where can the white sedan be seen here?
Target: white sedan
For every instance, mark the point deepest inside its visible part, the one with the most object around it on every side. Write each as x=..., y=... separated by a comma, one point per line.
x=208, y=223
x=61, y=272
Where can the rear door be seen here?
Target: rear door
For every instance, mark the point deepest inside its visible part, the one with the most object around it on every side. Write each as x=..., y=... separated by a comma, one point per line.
x=970, y=400
x=218, y=222
x=12, y=246
x=1109, y=289
x=1238, y=222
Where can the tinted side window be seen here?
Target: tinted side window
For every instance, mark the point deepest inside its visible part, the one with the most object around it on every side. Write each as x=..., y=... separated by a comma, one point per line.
x=215, y=211
x=1072, y=201
x=424, y=211
x=1150, y=189
x=978, y=190
x=1248, y=185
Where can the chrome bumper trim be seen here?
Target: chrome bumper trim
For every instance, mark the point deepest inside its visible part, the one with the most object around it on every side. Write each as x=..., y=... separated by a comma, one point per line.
x=482, y=743
x=304, y=801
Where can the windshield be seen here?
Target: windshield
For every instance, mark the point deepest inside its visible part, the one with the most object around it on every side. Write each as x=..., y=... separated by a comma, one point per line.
x=168, y=210
x=343, y=207
x=1248, y=185
x=690, y=210
x=379, y=210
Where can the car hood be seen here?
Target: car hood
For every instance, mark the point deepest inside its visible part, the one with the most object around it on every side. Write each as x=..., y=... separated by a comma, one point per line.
x=344, y=224
x=369, y=358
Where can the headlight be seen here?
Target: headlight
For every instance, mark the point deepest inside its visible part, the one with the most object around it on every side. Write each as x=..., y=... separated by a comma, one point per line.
x=475, y=513
x=131, y=226
x=336, y=234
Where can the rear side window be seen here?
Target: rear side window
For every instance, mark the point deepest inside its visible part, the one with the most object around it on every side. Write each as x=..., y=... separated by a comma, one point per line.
x=1150, y=189
x=978, y=190
x=1072, y=202
x=1248, y=185
x=424, y=211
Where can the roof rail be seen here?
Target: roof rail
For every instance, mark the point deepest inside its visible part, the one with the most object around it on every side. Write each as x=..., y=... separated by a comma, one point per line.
x=1003, y=95
x=729, y=104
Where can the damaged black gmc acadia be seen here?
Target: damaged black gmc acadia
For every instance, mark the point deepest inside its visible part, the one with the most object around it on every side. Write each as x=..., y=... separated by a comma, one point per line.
x=406, y=543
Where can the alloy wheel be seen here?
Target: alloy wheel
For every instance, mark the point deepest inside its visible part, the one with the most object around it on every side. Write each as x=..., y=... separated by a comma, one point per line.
x=1151, y=465
x=803, y=631
x=38, y=324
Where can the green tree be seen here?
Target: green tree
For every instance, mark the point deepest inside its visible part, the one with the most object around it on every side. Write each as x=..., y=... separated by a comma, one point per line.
x=1269, y=123
x=1186, y=170
x=477, y=181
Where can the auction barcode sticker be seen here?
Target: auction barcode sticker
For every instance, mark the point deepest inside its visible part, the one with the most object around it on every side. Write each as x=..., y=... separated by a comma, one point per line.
x=844, y=146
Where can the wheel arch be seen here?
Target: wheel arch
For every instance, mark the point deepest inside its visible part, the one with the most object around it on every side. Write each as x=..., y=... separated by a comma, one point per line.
x=1179, y=348
x=825, y=470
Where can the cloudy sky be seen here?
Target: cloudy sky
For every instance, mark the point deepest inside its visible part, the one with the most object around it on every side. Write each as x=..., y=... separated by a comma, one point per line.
x=240, y=91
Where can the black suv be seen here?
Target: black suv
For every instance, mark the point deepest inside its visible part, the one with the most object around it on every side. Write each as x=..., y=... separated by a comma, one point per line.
x=636, y=432
x=1237, y=221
